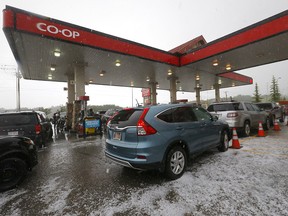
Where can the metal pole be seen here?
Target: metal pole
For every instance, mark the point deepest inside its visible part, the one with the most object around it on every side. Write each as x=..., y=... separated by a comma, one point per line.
x=132, y=96
x=18, y=76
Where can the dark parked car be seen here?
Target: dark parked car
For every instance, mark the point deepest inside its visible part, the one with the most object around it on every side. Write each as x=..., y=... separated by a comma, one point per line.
x=163, y=137
x=32, y=124
x=274, y=111
x=18, y=155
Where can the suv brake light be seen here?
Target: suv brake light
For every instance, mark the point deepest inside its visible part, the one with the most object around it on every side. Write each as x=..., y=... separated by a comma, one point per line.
x=143, y=128
x=232, y=115
x=37, y=128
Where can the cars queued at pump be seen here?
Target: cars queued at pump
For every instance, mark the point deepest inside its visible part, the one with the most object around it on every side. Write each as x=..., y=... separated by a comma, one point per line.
x=18, y=155
x=274, y=110
x=32, y=124
x=163, y=137
x=243, y=116
x=158, y=137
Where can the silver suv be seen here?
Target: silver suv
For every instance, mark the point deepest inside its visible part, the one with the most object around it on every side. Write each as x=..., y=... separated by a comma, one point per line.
x=243, y=116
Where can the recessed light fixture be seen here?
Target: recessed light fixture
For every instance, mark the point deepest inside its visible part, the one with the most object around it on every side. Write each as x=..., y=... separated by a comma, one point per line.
x=131, y=83
x=57, y=53
x=118, y=63
x=53, y=67
x=170, y=72
x=148, y=79
x=197, y=77
x=219, y=81
x=50, y=76
x=215, y=63
x=102, y=73
x=157, y=85
x=228, y=67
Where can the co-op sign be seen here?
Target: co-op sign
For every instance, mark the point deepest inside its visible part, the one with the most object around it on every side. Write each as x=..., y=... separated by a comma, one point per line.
x=55, y=30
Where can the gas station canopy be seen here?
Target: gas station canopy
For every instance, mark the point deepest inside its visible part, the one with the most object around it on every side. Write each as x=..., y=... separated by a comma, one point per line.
x=49, y=49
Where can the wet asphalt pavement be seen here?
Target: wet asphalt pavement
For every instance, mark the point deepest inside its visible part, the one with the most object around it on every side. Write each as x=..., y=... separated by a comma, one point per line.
x=76, y=168
x=73, y=177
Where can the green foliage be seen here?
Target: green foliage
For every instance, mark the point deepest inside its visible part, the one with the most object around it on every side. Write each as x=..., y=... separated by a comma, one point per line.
x=274, y=90
x=257, y=97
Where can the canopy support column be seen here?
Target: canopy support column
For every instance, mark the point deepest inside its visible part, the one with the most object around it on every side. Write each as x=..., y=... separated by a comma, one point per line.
x=197, y=89
x=173, y=90
x=79, y=78
x=153, y=92
x=217, y=92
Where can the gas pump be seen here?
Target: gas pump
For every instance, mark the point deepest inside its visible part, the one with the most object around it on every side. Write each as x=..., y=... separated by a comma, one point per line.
x=88, y=124
x=81, y=115
x=83, y=103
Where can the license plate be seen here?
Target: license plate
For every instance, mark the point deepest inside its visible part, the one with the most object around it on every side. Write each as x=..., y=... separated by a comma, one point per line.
x=117, y=135
x=13, y=133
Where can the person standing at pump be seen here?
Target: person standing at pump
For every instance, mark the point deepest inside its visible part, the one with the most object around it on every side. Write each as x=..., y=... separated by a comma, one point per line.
x=90, y=112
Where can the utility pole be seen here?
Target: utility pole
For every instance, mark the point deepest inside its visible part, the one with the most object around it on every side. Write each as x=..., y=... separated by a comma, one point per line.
x=18, y=75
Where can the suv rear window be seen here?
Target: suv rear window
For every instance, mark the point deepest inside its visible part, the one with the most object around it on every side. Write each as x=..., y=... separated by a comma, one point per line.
x=17, y=119
x=127, y=117
x=225, y=107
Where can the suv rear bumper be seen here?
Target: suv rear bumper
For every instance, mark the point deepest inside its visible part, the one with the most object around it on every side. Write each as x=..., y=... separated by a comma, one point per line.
x=142, y=165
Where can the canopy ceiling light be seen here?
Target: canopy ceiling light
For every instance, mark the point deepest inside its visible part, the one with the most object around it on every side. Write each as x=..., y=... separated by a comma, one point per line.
x=157, y=85
x=118, y=63
x=215, y=63
x=57, y=53
x=102, y=73
x=228, y=67
x=170, y=72
x=148, y=79
x=53, y=67
x=197, y=77
x=50, y=76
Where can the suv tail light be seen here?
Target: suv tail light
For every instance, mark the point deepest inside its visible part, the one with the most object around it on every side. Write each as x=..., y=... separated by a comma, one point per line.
x=37, y=128
x=232, y=115
x=143, y=128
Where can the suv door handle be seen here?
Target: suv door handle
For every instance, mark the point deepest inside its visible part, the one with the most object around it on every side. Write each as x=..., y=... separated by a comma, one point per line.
x=179, y=128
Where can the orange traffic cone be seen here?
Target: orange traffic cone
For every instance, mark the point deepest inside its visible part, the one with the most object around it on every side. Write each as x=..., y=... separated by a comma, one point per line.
x=276, y=126
x=261, y=132
x=235, y=141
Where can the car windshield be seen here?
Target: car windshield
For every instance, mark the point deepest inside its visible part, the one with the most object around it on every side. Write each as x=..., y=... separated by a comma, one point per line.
x=225, y=107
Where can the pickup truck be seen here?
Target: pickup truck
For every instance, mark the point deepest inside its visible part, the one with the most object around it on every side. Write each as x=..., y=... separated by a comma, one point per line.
x=274, y=110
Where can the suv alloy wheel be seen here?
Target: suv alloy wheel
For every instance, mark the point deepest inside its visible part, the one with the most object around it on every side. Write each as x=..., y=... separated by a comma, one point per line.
x=176, y=161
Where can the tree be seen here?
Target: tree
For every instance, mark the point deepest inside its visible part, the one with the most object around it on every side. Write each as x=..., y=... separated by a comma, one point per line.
x=257, y=97
x=274, y=90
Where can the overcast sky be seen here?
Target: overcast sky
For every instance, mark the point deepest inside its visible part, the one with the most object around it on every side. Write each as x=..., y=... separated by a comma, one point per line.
x=163, y=24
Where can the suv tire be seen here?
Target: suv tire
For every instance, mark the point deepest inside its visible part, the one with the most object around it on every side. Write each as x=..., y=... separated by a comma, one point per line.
x=266, y=126
x=224, y=143
x=175, y=163
x=12, y=172
x=246, y=129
